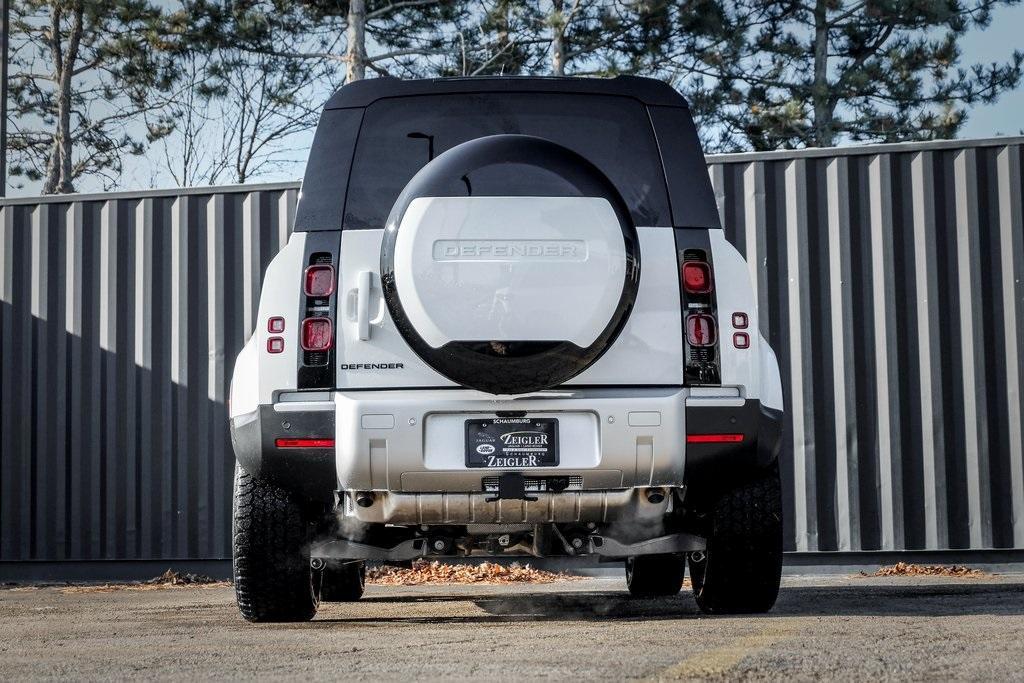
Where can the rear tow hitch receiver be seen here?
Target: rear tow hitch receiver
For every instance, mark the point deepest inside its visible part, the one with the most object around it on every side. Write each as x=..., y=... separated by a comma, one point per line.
x=511, y=486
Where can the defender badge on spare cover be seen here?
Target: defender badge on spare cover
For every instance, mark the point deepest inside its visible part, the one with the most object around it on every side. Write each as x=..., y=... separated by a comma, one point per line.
x=509, y=294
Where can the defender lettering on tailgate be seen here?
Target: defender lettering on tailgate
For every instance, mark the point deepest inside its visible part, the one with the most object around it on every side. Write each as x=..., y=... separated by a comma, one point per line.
x=510, y=250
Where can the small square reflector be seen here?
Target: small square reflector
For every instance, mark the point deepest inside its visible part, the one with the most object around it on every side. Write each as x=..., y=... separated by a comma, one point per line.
x=741, y=340
x=319, y=280
x=276, y=325
x=317, y=334
x=696, y=277
x=275, y=345
x=740, y=321
x=700, y=330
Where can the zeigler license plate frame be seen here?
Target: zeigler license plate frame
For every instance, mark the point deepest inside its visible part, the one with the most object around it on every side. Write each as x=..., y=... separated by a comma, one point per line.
x=512, y=442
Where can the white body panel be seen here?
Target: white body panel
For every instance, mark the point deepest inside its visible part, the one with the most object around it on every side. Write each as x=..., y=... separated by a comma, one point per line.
x=258, y=374
x=360, y=253
x=509, y=268
x=754, y=369
x=649, y=350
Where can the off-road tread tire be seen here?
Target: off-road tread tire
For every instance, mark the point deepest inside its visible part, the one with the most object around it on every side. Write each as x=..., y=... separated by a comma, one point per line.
x=743, y=562
x=343, y=583
x=654, y=576
x=270, y=534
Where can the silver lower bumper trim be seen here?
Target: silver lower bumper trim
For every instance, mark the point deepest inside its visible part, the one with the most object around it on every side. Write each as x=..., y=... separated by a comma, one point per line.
x=480, y=508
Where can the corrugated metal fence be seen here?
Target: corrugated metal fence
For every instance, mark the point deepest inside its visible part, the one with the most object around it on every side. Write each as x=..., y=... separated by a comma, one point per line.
x=891, y=283
x=121, y=317
x=890, y=280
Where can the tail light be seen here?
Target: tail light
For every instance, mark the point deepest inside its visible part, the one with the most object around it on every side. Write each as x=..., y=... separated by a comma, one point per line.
x=697, y=277
x=319, y=280
x=700, y=321
x=701, y=330
x=317, y=334
x=318, y=310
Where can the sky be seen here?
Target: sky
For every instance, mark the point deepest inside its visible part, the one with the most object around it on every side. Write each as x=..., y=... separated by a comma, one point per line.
x=1004, y=117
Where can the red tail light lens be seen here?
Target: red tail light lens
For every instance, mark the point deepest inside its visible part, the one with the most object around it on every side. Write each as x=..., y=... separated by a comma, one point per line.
x=317, y=334
x=319, y=280
x=697, y=277
x=304, y=443
x=701, y=330
x=714, y=438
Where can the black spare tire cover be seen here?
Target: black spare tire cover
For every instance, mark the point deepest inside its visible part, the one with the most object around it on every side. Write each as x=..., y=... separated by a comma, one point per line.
x=513, y=363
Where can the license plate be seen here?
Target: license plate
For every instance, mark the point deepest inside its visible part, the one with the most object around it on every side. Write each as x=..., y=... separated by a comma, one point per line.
x=512, y=442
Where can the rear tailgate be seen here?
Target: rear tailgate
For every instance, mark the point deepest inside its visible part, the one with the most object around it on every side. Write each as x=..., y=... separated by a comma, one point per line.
x=371, y=353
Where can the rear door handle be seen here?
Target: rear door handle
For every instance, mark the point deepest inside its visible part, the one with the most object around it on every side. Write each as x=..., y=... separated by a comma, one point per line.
x=363, y=304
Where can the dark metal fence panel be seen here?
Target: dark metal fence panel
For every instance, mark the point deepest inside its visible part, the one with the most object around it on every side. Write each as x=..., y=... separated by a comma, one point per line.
x=891, y=283
x=121, y=316
x=890, y=280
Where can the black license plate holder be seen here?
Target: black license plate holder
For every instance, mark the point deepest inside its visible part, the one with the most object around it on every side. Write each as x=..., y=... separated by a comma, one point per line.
x=512, y=443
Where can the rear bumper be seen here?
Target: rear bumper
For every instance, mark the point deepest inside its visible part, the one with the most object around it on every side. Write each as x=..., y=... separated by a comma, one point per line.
x=403, y=448
x=413, y=441
x=309, y=472
x=710, y=467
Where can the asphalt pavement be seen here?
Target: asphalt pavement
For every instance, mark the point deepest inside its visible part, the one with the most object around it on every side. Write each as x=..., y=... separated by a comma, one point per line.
x=843, y=627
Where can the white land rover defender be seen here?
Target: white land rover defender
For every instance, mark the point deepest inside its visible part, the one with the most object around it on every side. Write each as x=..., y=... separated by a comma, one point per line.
x=507, y=323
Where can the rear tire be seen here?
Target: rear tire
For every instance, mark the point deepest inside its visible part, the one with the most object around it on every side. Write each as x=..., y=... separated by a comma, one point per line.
x=271, y=532
x=741, y=570
x=343, y=582
x=652, y=576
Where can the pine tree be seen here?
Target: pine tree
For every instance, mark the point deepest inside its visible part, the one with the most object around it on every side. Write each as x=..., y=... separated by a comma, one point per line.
x=574, y=37
x=820, y=72
x=405, y=38
x=82, y=72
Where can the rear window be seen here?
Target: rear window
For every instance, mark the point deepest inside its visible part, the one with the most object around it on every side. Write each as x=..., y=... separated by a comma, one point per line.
x=399, y=135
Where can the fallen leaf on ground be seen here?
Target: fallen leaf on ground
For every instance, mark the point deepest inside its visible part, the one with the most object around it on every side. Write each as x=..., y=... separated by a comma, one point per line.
x=424, y=572
x=169, y=579
x=905, y=569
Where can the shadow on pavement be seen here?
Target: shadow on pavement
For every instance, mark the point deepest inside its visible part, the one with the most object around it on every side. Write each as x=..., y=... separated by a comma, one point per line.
x=944, y=599
x=933, y=599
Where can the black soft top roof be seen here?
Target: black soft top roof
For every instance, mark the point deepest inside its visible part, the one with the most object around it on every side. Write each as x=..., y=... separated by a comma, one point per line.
x=366, y=92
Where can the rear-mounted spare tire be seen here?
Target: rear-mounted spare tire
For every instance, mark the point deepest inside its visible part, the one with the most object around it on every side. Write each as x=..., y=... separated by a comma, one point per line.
x=510, y=264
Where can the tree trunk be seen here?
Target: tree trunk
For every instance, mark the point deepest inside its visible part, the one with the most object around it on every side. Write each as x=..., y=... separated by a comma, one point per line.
x=557, y=23
x=820, y=96
x=355, y=53
x=58, y=166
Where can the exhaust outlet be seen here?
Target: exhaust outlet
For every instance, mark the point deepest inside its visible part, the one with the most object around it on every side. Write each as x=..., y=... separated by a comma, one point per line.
x=655, y=496
x=364, y=499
